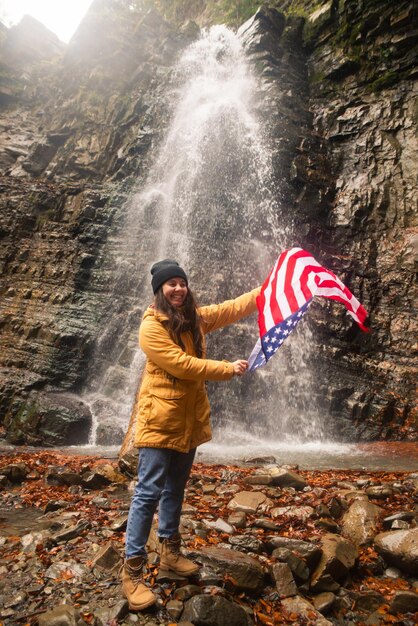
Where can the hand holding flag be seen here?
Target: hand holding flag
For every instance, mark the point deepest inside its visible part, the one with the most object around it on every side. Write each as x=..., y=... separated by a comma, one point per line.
x=286, y=295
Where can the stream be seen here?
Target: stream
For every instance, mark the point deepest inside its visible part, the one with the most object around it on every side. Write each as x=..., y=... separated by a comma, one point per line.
x=376, y=456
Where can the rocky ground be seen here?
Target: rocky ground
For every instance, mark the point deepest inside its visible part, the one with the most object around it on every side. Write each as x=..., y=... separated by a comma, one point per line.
x=277, y=546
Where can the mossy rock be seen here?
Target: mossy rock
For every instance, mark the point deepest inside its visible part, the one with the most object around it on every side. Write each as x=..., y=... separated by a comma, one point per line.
x=48, y=419
x=386, y=80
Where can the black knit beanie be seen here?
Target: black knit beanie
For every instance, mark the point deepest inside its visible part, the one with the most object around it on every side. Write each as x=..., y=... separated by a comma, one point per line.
x=163, y=271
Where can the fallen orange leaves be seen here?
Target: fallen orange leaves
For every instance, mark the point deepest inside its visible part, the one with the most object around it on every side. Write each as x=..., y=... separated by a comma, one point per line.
x=35, y=492
x=65, y=575
x=264, y=619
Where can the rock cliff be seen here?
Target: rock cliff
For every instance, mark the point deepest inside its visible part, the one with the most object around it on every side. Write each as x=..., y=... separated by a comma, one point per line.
x=79, y=128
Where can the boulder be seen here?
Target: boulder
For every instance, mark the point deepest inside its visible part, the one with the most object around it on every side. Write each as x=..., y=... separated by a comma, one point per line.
x=380, y=492
x=399, y=548
x=174, y=608
x=296, y=564
x=338, y=557
x=71, y=532
x=187, y=592
x=69, y=568
x=120, y=523
x=219, y=525
x=109, y=434
x=61, y=476
x=243, y=571
x=112, y=474
x=286, y=478
x=15, y=472
x=260, y=460
x=310, y=552
x=283, y=577
x=367, y=600
x=249, y=502
x=51, y=419
x=400, y=524
x=63, y=615
x=324, y=601
x=305, y=611
x=300, y=512
x=31, y=540
x=128, y=462
x=238, y=519
x=113, y=614
x=95, y=480
x=246, y=543
x=404, y=602
x=207, y=610
x=401, y=515
x=360, y=522
x=277, y=476
x=108, y=558
x=267, y=524
x=347, y=496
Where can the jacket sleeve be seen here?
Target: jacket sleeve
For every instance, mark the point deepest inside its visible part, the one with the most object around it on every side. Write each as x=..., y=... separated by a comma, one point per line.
x=158, y=346
x=219, y=315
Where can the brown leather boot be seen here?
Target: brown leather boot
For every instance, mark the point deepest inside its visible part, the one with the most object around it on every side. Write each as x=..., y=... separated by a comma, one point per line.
x=172, y=559
x=139, y=596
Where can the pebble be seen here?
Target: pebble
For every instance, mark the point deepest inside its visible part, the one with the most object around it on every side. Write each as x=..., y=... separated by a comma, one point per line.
x=324, y=601
x=400, y=524
x=220, y=525
x=392, y=572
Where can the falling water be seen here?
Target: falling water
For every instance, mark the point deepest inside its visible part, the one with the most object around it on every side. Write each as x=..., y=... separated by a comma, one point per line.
x=210, y=202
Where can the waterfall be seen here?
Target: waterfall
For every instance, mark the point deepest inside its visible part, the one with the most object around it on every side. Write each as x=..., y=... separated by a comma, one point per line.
x=210, y=202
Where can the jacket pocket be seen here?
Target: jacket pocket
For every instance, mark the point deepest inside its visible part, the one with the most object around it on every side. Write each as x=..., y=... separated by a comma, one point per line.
x=168, y=409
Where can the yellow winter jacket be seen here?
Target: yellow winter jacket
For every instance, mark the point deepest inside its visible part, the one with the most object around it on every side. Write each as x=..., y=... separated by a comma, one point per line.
x=173, y=407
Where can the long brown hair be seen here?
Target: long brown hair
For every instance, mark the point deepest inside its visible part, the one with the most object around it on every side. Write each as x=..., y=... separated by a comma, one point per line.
x=181, y=319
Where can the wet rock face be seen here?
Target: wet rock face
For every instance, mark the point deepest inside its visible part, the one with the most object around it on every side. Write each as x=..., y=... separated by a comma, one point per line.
x=67, y=152
x=52, y=292
x=363, y=99
x=78, y=128
x=344, y=159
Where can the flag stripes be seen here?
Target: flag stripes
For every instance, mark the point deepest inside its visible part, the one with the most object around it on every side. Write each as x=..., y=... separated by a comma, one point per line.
x=295, y=279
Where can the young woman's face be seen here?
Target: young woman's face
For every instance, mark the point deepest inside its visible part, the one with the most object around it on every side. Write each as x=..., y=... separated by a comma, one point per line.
x=175, y=290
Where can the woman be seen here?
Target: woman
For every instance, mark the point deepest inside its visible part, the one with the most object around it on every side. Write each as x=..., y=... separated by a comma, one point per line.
x=173, y=416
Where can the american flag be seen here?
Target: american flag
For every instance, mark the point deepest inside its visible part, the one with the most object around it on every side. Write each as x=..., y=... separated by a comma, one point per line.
x=286, y=295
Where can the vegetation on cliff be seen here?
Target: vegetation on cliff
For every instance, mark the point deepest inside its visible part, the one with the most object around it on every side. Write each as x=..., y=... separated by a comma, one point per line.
x=230, y=12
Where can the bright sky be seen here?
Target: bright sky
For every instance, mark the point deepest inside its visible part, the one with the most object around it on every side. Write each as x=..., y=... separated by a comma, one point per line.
x=61, y=16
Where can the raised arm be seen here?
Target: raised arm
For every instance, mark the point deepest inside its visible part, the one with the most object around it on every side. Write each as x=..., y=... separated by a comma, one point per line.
x=157, y=344
x=219, y=315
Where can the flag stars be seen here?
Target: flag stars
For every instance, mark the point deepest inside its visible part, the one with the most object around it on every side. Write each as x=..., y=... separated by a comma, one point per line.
x=318, y=277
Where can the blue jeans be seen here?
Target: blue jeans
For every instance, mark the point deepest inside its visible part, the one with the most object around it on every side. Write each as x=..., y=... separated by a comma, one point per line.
x=162, y=477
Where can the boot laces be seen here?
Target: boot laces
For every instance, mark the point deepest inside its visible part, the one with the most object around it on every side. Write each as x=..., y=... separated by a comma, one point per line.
x=135, y=572
x=173, y=545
